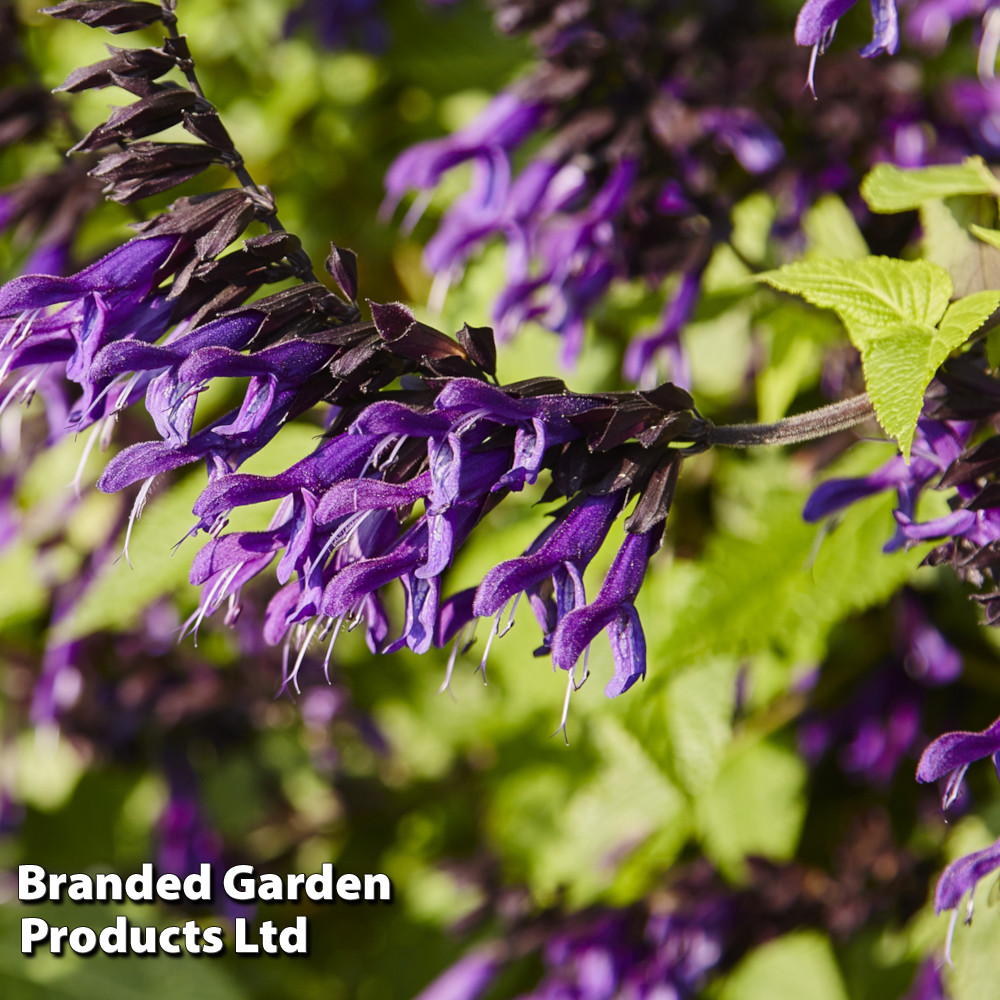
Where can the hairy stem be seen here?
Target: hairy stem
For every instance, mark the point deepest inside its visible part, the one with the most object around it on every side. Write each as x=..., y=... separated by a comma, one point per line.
x=300, y=259
x=802, y=427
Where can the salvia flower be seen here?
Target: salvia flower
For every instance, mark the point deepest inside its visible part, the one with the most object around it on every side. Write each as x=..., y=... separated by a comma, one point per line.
x=634, y=175
x=950, y=755
x=345, y=530
x=937, y=444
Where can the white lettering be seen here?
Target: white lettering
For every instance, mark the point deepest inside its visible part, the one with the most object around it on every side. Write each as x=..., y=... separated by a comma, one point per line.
x=237, y=886
x=349, y=887
x=384, y=887
x=33, y=930
x=139, y=887
x=243, y=947
x=168, y=887
x=294, y=940
x=30, y=883
x=198, y=887
x=319, y=887
x=114, y=940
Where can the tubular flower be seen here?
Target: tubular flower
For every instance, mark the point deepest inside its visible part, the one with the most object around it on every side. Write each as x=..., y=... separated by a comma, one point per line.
x=345, y=527
x=937, y=445
x=635, y=175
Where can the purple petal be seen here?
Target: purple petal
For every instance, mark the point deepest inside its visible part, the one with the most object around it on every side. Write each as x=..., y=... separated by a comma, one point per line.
x=817, y=17
x=957, y=749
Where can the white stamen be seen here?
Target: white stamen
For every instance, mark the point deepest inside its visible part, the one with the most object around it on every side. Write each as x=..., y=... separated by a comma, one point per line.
x=77, y=480
x=304, y=646
x=10, y=432
x=329, y=649
x=510, y=617
x=489, y=642
x=137, y=508
x=570, y=688
x=452, y=657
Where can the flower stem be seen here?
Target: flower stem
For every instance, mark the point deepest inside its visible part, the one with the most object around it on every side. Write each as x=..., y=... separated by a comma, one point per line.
x=300, y=259
x=802, y=427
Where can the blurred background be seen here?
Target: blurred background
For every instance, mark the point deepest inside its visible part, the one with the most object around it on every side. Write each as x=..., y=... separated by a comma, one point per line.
x=747, y=817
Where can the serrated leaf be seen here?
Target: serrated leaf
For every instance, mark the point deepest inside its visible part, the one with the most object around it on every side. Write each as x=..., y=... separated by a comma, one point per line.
x=901, y=360
x=890, y=308
x=897, y=370
x=868, y=293
x=888, y=189
x=966, y=316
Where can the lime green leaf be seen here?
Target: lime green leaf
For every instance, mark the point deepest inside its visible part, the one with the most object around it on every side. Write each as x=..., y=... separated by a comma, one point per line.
x=792, y=338
x=699, y=702
x=869, y=293
x=755, y=806
x=898, y=367
x=889, y=189
x=991, y=236
x=890, y=308
x=577, y=836
x=832, y=231
x=797, y=965
x=753, y=219
x=966, y=316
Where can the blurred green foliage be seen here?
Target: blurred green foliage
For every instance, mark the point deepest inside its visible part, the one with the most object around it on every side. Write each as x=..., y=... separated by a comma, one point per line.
x=473, y=791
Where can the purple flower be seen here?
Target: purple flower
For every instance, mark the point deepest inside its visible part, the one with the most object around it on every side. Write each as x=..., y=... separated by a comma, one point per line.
x=950, y=755
x=818, y=19
x=551, y=571
x=927, y=655
x=614, y=610
x=936, y=445
x=465, y=980
x=929, y=22
x=506, y=122
x=343, y=23
x=927, y=984
x=962, y=876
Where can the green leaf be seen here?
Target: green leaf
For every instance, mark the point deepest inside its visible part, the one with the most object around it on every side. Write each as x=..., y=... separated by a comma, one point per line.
x=699, y=703
x=577, y=836
x=898, y=368
x=973, y=265
x=755, y=806
x=801, y=964
x=831, y=230
x=890, y=308
x=966, y=316
x=868, y=294
x=991, y=236
x=792, y=338
x=889, y=189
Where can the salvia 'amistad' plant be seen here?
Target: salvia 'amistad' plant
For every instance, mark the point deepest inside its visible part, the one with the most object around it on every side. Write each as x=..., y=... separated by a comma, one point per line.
x=630, y=156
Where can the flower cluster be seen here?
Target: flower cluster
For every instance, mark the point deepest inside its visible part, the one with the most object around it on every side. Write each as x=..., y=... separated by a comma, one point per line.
x=687, y=934
x=44, y=210
x=162, y=317
x=636, y=165
x=881, y=723
x=948, y=758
